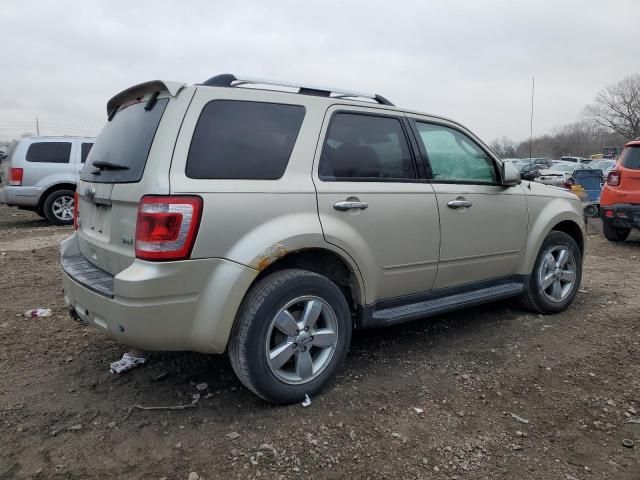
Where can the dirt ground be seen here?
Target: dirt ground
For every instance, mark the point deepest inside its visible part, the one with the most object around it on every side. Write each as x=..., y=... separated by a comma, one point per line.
x=490, y=392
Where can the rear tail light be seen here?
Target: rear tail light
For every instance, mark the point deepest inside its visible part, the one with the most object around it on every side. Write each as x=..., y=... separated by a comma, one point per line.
x=15, y=176
x=609, y=213
x=75, y=210
x=166, y=228
x=613, y=178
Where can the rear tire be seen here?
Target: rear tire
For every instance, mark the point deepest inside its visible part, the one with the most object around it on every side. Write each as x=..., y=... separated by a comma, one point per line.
x=58, y=207
x=291, y=335
x=556, y=275
x=613, y=233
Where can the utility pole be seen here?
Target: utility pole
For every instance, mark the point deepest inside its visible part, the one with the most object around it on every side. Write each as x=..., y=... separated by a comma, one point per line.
x=37, y=127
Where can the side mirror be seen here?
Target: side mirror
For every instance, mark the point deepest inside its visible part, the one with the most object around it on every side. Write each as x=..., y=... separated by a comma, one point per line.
x=510, y=175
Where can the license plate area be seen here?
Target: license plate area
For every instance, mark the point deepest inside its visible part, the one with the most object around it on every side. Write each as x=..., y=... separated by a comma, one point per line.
x=96, y=222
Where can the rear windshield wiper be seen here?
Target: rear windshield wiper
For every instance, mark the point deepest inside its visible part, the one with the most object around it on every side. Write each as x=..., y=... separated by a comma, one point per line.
x=104, y=165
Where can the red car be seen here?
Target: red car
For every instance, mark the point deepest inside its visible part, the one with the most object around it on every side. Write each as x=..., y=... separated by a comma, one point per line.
x=620, y=199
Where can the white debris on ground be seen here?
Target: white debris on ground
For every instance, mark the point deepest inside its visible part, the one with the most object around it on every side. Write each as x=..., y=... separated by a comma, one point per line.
x=38, y=312
x=127, y=362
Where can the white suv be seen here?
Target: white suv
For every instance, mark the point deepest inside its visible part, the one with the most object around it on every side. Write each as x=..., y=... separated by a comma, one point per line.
x=271, y=220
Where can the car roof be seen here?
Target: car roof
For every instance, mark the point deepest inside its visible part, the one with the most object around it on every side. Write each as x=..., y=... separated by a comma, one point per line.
x=57, y=137
x=331, y=96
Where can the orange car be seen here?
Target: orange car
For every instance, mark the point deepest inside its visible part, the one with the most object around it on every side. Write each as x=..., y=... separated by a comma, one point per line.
x=620, y=199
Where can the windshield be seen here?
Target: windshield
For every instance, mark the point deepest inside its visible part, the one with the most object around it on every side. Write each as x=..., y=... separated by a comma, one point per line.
x=120, y=152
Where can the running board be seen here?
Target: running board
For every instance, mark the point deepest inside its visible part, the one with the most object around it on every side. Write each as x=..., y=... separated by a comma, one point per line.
x=443, y=302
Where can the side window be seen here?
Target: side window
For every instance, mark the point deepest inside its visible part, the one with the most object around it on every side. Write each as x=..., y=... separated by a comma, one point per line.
x=49, y=152
x=84, y=151
x=243, y=140
x=365, y=147
x=454, y=157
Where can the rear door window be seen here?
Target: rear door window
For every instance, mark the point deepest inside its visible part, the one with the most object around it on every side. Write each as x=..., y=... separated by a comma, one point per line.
x=120, y=152
x=84, y=151
x=243, y=140
x=631, y=158
x=362, y=147
x=49, y=152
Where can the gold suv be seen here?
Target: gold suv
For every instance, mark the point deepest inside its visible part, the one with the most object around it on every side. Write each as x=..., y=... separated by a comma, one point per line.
x=271, y=220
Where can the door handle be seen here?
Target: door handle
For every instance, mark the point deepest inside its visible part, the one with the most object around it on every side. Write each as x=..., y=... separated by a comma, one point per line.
x=459, y=203
x=350, y=205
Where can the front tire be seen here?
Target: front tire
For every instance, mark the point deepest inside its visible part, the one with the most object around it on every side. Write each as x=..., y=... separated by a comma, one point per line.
x=556, y=275
x=613, y=233
x=291, y=335
x=58, y=207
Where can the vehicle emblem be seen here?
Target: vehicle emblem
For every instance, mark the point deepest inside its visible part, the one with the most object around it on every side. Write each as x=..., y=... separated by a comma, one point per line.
x=90, y=192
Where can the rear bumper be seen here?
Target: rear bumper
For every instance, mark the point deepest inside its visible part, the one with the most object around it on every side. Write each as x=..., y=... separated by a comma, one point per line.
x=625, y=215
x=185, y=305
x=20, y=196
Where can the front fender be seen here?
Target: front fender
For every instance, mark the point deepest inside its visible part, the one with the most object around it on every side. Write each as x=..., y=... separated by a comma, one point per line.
x=545, y=213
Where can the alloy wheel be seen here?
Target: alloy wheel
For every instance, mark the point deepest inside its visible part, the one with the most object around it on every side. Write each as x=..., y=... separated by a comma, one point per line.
x=301, y=339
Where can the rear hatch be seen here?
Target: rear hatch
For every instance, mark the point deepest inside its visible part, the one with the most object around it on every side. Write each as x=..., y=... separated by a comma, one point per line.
x=131, y=158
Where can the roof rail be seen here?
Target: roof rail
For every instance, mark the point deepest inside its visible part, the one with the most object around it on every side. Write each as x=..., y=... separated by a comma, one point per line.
x=230, y=80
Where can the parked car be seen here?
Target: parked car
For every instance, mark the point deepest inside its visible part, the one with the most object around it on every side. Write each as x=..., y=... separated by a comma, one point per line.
x=41, y=174
x=575, y=159
x=620, y=199
x=529, y=169
x=271, y=224
x=559, y=173
x=605, y=165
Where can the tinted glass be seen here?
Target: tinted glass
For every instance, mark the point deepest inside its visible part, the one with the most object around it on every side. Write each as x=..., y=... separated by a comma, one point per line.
x=49, y=152
x=125, y=141
x=631, y=158
x=365, y=147
x=84, y=151
x=243, y=140
x=454, y=157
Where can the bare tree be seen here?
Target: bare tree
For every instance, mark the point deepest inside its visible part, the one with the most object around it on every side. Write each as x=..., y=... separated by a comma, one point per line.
x=504, y=147
x=581, y=139
x=617, y=107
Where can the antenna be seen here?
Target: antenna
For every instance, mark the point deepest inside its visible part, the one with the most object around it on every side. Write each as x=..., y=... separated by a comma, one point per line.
x=533, y=85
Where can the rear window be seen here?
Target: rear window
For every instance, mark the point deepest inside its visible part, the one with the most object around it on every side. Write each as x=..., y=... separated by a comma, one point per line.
x=84, y=151
x=631, y=158
x=49, y=152
x=124, y=143
x=243, y=140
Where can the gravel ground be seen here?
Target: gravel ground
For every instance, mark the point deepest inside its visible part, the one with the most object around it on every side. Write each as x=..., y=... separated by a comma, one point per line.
x=489, y=392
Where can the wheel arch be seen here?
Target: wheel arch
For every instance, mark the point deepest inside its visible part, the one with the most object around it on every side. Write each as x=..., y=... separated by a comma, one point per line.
x=53, y=188
x=572, y=229
x=325, y=262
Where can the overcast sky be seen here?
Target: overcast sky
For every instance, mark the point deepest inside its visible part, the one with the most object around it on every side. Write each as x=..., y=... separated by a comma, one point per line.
x=468, y=60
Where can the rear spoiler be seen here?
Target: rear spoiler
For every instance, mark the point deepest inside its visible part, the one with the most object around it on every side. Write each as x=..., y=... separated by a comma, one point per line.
x=142, y=89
